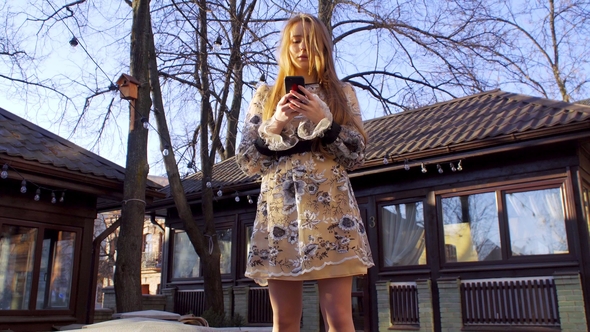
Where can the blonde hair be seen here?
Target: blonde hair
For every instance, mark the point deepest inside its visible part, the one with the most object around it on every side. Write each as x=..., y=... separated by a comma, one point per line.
x=319, y=47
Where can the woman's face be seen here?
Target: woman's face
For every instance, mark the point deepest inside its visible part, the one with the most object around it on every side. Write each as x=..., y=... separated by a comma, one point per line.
x=298, y=50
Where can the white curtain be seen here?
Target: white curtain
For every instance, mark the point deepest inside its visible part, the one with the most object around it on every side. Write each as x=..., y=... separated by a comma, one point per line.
x=402, y=234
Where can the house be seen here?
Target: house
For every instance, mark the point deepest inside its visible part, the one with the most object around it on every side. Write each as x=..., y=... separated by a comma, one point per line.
x=477, y=211
x=50, y=193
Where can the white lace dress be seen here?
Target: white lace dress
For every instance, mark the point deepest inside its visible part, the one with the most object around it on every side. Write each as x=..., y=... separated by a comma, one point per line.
x=308, y=224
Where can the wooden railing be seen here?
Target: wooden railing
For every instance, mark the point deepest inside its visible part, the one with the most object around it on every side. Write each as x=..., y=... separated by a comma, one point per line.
x=526, y=302
x=403, y=299
x=190, y=302
x=259, y=308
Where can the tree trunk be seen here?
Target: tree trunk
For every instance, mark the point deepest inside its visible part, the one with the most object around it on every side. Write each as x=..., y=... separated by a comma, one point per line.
x=128, y=265
x=325, y=11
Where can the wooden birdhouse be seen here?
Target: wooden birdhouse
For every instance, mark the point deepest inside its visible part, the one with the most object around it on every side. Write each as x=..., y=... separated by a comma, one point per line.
x=128, y=86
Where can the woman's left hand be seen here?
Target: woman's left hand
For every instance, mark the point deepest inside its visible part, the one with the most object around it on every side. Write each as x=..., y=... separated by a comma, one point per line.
x=307, y=104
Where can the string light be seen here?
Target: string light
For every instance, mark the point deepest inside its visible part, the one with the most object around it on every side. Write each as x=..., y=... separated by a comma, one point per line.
x=38, y=195
x=165, y=152
x=53, y=200
x=217, y=44
x=145, y=123
x=459, y=167
x=208, y=184
x=74, y=41
x=440, y=170
x=219, y=193
x=453, y=168
x=406, y=165
x=23, y=186
x=4, y=173
x=250, y=199
x=62, y=198
x=424, y=170
x=237, y=199
x=386, y=159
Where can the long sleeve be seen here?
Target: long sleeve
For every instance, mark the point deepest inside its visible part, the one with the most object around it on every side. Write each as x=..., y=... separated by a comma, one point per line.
x=248, y=158
x=348, y=147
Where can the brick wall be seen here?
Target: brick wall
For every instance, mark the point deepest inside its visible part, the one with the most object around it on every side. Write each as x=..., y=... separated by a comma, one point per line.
x=311, y=308
x=572, y=314
x=449, y=291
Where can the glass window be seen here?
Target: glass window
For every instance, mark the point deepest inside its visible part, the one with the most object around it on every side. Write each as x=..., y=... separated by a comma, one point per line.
x=17, y=255
x=471, y=230
x=57, y=266
x=248, y=240
x=402, y=230
x=586, y=202
x=224, y=240
x=186, y=262
x=541, y=211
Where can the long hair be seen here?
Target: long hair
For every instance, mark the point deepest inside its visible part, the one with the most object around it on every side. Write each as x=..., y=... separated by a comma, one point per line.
x=319, y=47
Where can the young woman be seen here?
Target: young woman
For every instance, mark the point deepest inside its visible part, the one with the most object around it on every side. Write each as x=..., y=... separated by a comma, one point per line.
x=308, y=225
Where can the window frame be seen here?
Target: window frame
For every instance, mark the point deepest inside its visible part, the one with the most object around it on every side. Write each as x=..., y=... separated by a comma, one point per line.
x=41, y=228
x=500, y=190
x=380, y=242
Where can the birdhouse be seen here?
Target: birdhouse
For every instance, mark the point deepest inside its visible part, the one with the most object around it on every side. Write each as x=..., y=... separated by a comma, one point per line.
x=128, y=86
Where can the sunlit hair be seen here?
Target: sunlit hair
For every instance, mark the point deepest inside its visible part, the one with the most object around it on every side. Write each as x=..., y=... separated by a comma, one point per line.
x=319, y=47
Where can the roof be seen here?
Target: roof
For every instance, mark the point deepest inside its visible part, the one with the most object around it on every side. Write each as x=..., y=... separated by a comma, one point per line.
x=465, y=124
x=23, y=139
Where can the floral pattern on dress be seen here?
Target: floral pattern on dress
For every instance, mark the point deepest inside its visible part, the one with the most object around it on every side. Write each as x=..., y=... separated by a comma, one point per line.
x=307, y=218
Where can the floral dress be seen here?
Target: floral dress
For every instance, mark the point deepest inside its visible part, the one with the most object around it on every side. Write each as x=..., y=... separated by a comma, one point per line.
x=308, y=224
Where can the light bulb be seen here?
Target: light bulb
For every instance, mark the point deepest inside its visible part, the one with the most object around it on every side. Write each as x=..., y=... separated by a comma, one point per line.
x=208, y=184
x=385, y=160
x=63, y=195
x=424, y=170
x=146, y=124
x=219, y=193
x=4, y=173
x=165, y=152
x=37, y=195
x=250, y=199
x=453, y=168
x=237, y=198
x=459, y=167
x=406, y=165
x=53, y=200
x=440, y=170
x=73, y=42
x=23, y=187
x=217, y=44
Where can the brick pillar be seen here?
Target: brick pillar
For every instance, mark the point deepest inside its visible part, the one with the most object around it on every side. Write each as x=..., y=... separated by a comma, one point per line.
x=311, y=308
x=425, y=311
x=108, y=299
x=383, y=310
x=228, y=304
x=240, y=302
x=449, y=292
x=170, y=294
x=572, y=313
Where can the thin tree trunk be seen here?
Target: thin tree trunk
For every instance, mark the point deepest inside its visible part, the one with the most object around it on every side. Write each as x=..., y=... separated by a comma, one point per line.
x=128, y=266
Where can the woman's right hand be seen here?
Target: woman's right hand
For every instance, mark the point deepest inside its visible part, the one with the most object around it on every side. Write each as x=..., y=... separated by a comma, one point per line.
x=284, y=112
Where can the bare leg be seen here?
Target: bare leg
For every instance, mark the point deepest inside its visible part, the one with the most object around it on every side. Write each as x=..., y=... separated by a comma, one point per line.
x=336, y=303
x=286, y=299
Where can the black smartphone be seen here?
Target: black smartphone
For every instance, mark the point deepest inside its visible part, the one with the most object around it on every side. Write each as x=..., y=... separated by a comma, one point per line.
x=293, y=82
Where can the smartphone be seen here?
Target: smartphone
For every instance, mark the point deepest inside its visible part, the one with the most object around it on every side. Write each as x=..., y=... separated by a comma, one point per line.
x=293, y=82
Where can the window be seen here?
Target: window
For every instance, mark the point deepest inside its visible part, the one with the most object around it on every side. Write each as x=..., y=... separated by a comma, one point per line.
x=18, y=263
x=402, y=234
x=470, y=225
x=186, y=262
x=473, y=224
x=541, y=210
x=224, y=240
x=17, y=255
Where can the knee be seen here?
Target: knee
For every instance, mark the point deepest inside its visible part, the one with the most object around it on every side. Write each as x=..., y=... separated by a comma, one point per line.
x=339, y=318
x=286, y=321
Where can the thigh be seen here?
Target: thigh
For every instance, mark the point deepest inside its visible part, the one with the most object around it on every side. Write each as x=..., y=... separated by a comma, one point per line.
x=286, y=297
